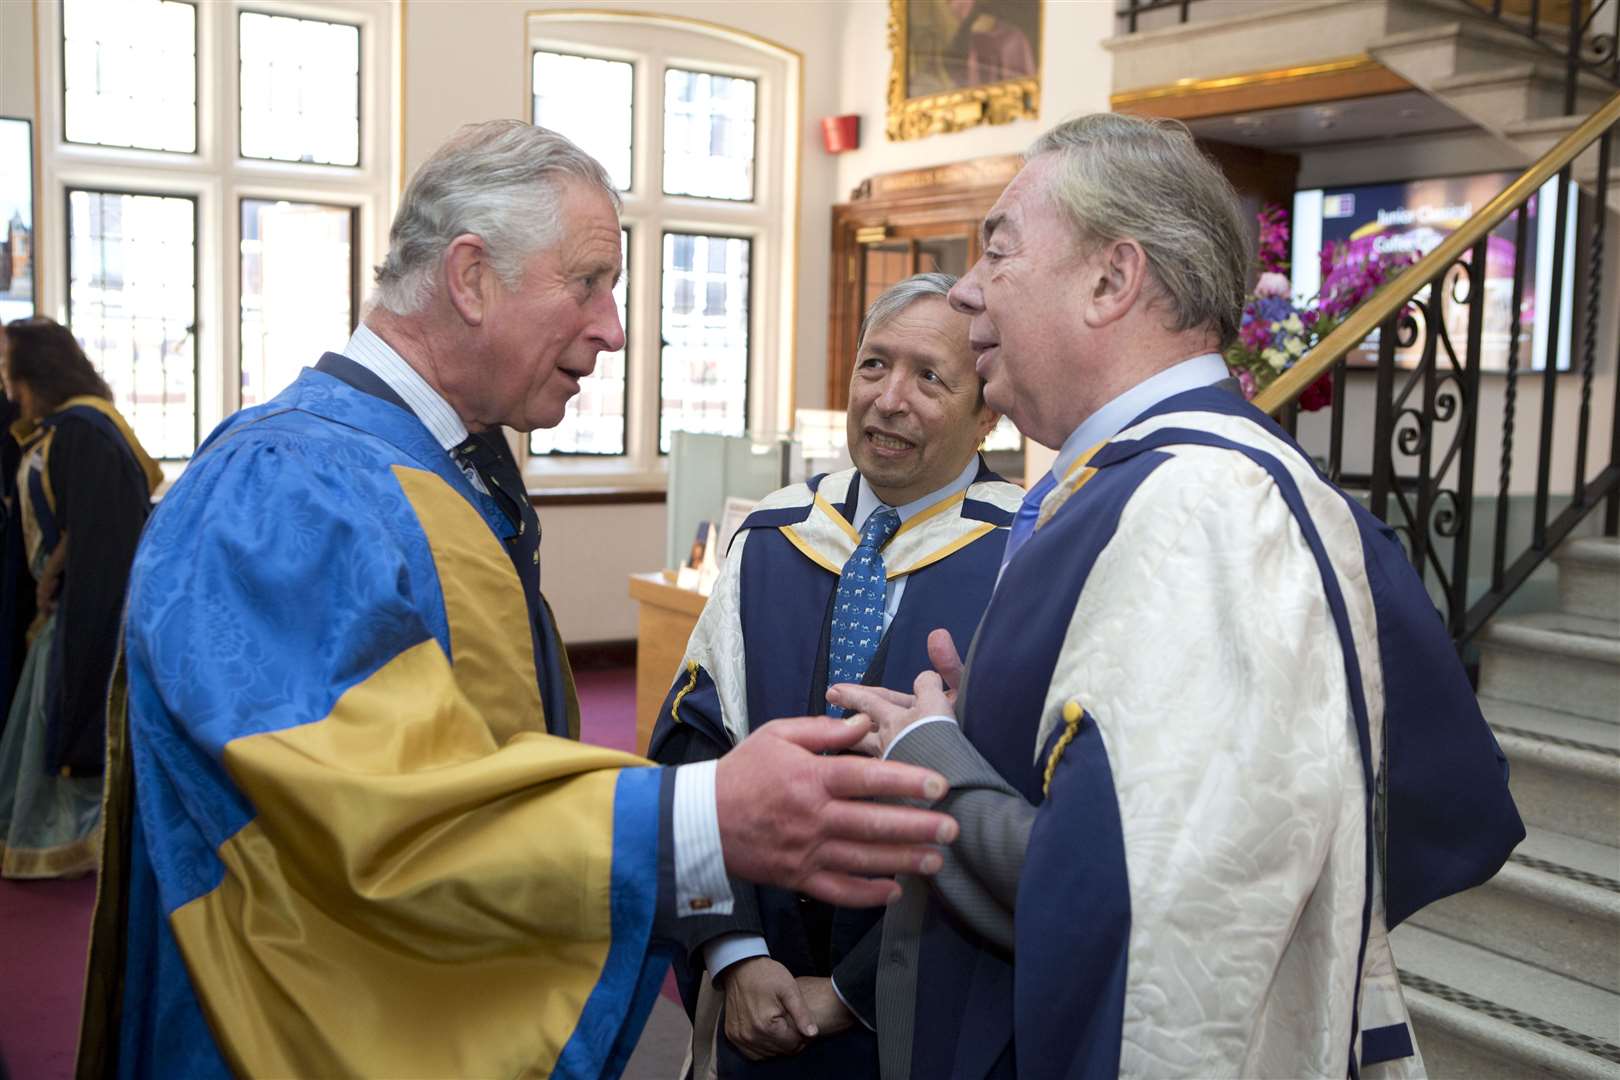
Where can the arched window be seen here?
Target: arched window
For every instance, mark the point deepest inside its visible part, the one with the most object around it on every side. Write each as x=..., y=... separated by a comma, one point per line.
x=699, y=126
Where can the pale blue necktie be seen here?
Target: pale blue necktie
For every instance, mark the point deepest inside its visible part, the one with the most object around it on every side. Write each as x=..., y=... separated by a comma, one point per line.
x=857, y=623
x=1023, y=524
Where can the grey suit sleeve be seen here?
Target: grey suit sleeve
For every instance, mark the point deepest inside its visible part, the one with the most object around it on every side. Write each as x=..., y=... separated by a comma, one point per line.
x=979, y=881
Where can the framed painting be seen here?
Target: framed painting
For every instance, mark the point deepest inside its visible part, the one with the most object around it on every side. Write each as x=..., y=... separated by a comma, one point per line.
x=960, y=63
x=16, y=219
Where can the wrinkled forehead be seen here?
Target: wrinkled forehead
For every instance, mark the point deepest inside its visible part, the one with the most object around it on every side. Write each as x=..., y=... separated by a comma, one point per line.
x=1026, y=203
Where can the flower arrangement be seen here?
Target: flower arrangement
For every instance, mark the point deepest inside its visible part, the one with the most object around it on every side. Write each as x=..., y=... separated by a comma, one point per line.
x=1275, y=333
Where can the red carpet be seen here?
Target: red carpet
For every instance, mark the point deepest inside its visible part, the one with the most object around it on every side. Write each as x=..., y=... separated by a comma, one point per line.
x=44, y=924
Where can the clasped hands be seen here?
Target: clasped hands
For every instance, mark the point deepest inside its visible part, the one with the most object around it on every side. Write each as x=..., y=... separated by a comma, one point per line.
x=771, y=1013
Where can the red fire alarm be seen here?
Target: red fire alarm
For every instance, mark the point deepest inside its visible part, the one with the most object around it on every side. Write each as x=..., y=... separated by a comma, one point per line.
x=840, y=133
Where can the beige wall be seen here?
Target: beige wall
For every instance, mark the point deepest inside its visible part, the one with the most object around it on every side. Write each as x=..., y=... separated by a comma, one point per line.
x=590, y=553
x=17, y=59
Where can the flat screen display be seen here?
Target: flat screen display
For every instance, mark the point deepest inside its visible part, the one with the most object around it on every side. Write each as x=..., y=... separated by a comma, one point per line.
x=1415, y=216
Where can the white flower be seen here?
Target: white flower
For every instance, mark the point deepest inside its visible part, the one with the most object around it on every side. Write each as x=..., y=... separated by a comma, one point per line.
x=1293, y=325
x=1295, y=346
x=1276, y=358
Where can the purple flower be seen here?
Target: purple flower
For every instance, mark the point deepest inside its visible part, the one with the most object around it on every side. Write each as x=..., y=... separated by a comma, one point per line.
x=1254, y=335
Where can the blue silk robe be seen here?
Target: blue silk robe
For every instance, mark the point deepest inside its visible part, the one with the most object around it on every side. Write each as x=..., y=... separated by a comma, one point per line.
x=342, y=837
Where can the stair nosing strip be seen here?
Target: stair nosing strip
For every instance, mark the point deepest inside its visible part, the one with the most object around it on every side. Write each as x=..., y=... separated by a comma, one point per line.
x=1555, y=740
x=1575, y=1040
x=1569, y=872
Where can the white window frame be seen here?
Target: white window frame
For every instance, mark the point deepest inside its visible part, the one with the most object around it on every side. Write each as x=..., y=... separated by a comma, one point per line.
x=219, y=178
x=653, y=43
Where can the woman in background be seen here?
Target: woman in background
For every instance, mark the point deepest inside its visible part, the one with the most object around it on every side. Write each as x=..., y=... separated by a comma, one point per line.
x=83, y=492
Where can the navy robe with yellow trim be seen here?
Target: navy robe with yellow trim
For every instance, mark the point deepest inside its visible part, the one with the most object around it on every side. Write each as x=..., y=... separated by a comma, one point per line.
x=86, y=477
x=339, y=833
x=1251, y=750
x=759, y=651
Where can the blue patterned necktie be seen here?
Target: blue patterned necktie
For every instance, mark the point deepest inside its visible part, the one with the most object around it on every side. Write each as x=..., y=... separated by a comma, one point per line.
x=857, y=623
x=1023, y=525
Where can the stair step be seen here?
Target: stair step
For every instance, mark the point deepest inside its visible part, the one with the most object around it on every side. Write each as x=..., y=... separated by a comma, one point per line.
x=1478, y=1013
x=1554, y=660
x=1543, y=911
x=1453, y=46
x=1589, y=568
x=1534, y=137
x=1563, y=771
x=1505, y=93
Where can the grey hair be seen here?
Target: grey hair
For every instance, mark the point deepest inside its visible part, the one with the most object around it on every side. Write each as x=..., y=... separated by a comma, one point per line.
x=501, y=180
x=901, y=295
x=1127, y=177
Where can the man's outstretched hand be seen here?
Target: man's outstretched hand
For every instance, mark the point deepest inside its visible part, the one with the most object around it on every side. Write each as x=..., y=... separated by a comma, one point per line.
x=789, y=816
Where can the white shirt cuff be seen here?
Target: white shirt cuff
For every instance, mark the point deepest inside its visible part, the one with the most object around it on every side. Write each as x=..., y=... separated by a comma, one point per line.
x=834, y=981
x=728, y=949
x=913, y=726
x=701, y=887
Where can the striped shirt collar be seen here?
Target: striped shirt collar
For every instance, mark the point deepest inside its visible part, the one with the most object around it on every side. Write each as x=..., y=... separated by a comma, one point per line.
x=377, y=356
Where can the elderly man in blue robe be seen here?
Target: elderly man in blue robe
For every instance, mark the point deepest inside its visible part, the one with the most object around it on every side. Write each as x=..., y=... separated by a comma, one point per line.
x=1211, y=741
x=842, y=577
x=349, y=829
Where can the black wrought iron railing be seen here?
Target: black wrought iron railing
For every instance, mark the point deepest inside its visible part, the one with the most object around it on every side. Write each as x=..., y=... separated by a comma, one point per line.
x=1428, y=465
x=1135, y=10
x=1581, y=32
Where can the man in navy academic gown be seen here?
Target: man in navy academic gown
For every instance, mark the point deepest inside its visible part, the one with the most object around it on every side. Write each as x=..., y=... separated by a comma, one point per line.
x=843, y=577
x=1212, y=740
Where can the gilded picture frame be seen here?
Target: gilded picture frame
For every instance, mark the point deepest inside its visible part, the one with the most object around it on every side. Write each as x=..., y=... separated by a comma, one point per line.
x=956, y=64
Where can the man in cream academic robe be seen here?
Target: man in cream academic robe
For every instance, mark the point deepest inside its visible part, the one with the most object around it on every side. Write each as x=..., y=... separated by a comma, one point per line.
x=1212, y=741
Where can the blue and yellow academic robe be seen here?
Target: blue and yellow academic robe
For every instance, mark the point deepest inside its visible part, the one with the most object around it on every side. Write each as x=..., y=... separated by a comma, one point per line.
x=1250, y=749
x=344, y=831
x=759, y=652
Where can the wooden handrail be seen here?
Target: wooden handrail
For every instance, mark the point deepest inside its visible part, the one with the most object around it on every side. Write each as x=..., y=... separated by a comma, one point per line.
x=1366, y=318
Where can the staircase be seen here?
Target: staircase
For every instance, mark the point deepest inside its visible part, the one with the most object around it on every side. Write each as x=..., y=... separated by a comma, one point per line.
x=1521, y=976
x=1496, y=77
x=1481, y=66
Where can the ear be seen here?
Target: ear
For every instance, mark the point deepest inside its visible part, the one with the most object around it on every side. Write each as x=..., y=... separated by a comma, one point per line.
x=465, y=265
x=1117, y=275
x=988, y=418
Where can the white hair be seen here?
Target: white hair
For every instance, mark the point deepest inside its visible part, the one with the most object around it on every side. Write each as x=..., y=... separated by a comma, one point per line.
x=901, y=295
x=1129, y=177
x=501, y=180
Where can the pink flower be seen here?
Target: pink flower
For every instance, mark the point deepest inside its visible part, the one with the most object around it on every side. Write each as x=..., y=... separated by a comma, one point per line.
x=1254, y=335
x=1245, y=379
x=1273, y=221
x=1272, y=284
